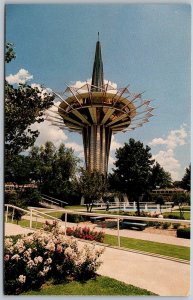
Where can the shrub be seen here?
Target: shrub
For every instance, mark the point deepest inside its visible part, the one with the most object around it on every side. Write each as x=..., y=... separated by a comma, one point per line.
x=183, y=233
x=35, y=258
x=176, y=225
x=171, y=216
x=17, y=214
x=86, y=233
x=166, y=225
x=10, y=197
x=154, y=224
x=75, y=218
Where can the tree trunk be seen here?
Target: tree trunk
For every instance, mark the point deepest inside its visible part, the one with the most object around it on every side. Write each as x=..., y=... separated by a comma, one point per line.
x=91, y=206
x=138, y=206
x=181, y=212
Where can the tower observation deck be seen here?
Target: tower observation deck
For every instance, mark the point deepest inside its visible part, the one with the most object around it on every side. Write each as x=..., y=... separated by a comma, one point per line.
x=97, y=110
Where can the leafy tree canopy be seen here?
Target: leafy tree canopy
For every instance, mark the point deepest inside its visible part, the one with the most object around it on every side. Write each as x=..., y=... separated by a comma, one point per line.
x=186, y=179
x=54, y=169
x=92, y=186
x=133, y=168
x=159, y=177
x=24, y=106
x=9, y=52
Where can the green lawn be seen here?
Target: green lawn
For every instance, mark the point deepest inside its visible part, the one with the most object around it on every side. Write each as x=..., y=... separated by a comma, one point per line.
x=55, y=214
x=100, y=286
x=176, y=213
x=187, y=208
x=26, y=223
x=152, y=247
x=75, y=207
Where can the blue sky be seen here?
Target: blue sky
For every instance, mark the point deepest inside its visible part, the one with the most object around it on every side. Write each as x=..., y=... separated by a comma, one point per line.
x=146, y=46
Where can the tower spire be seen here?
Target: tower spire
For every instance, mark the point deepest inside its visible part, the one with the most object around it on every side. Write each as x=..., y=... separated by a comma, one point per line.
x=97, y=73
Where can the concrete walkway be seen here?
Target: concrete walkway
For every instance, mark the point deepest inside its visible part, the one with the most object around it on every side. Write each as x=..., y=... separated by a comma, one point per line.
x=158, y=275
x=12, y=229
x=163, y=277
x=160, y=238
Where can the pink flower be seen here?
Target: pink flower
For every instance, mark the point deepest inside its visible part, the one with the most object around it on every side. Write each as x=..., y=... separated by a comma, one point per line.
x=59, y=248
x=6, y=257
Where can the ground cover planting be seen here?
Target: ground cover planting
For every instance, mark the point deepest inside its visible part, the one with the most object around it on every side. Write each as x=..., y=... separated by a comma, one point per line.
x=101, y=285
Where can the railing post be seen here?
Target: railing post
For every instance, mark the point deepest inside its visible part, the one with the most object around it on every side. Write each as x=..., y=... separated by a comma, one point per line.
x=30, y=223
x=65, y=221
x=13, y=215
x=6, y=218
x=118, y=235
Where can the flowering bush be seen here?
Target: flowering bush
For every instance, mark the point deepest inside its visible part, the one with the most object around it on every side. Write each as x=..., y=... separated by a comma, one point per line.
x=86, y=233
x=35, y=258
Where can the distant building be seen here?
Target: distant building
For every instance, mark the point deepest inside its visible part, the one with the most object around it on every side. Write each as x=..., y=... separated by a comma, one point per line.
x=12, y=187
x=167, y=193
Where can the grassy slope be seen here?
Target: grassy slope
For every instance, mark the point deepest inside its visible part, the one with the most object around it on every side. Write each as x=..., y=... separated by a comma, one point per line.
x=99, y=286
x=153, y=247
x=186, y=214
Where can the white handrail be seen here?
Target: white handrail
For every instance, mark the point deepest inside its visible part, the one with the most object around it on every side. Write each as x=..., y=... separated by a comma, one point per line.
x=63, y=202
x=105, y=216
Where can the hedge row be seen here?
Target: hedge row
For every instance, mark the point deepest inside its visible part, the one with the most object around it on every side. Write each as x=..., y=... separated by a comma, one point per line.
x=183, y=233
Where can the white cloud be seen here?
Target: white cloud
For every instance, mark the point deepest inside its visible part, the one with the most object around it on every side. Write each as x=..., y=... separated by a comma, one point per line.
x=21, y=77
x=42, y=92
x=168, y=161
x=76, y=147
x=78, y=84
x=111, y=163
x=115, y=144
x=166, y=157
x=174, y=138
x=49, y=133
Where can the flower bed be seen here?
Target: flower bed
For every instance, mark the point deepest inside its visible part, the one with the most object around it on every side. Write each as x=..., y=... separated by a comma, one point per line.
x=33, y=259
x=86, y=233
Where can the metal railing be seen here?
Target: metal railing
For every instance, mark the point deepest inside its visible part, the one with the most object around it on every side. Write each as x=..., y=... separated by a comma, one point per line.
x=32, y=212
x=132, y=205
x=53, y=201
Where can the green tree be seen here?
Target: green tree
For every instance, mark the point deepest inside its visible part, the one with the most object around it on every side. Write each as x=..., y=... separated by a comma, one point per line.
x=186, y=179
x=159, y=177
x=24, y=106
x=9, y=52
x=92, y=185
x=177, y=184
x=179, y=199
x=18, y=169
x=159, y=199
x=54, y=169
x=133, y=168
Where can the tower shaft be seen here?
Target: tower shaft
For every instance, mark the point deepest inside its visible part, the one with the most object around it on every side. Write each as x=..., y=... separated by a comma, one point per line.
x=97, y=140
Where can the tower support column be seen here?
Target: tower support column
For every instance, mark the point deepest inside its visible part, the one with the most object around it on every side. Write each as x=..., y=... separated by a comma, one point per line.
x=97, y=140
